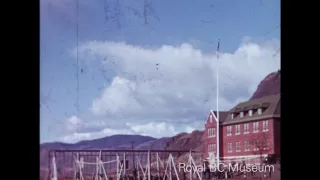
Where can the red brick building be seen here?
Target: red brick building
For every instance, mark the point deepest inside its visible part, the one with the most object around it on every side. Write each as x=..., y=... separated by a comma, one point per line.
x=248, y=131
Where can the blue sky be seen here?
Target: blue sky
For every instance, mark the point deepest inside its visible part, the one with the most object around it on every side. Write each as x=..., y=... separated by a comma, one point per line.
x=122, y=90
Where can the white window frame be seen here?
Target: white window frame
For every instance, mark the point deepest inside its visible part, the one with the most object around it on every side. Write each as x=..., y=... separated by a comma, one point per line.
x=212, y=132
x=238, y=132
x=232, y=115
x=250, y=112
x=265, y=126
x=241, y=114
x=238, y=147
x=229, y=148
x=210, y=117
x=256, y=127
x=259, y=111
x=246, y=128
x=229, y=130
x=246, y=146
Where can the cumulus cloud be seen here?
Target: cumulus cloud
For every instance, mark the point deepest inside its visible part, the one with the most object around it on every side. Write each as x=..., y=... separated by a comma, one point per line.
x=153, y=129
x=170, y=81
x=174, y=86
x=73, y=123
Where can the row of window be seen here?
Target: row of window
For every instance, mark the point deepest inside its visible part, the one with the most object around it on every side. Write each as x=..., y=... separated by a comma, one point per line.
x=247, y=146
x=250, y=113
x=255, y=128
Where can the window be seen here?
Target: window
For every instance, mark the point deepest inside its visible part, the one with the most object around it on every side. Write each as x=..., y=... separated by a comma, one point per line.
x=246, y=129
x=212, y=132
x=238, y=148
x=229, y=130
x=250, y=113
x=246, y=146
x=237, y=129
x=210, y=118
x=241, y=114
x=211, y=147
x=265, y=126
x=259, y=111
x=229, y=147
x=256, y=127
x=232, y=116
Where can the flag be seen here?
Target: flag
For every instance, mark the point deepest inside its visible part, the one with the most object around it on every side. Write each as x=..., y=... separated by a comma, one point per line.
x=218, y=47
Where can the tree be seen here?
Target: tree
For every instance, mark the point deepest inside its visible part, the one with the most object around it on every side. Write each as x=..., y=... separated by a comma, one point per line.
x=260, y=144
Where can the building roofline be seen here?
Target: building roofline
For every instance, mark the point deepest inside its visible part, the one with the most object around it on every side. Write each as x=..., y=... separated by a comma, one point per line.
x=258, y=118
x=215, y=117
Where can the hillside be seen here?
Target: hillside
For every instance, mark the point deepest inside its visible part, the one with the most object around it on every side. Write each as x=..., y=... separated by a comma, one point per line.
x=186, y=141
x=101, y=143
x=154, y=144
x=268, y=86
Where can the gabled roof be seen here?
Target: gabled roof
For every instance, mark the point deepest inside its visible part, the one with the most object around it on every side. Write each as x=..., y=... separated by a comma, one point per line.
x=269, y=104
x=222, y=115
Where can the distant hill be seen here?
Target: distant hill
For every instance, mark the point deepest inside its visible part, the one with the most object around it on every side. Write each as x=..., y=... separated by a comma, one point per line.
x=158, y=144
x=101, y=143
x=270, y=85
x=186, y=141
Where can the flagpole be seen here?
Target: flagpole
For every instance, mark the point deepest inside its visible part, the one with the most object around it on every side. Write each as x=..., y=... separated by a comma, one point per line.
x=218, y=134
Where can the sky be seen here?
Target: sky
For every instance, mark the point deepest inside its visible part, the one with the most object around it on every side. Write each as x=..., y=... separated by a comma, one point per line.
x=149, y=72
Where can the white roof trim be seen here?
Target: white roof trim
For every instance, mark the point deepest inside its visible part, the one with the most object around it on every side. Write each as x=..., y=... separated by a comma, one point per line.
x=215, y=117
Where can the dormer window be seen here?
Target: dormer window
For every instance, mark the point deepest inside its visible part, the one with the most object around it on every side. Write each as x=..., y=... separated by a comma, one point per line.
x=232, y=116
x=259, y=111
x=250, y=112
x=210, y=117
x=241, y=114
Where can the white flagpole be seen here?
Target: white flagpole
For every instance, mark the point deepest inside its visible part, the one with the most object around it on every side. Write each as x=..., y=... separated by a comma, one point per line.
x=218, y=144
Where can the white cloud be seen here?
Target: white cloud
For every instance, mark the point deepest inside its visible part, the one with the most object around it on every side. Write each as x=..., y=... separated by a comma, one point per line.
x=189, y=129
x=73, y=123
x=174, y=85
x=184, y=80
x=153, y=129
